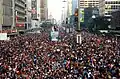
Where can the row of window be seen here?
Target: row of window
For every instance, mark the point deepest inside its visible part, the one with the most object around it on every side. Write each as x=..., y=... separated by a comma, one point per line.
x=112, y=2
x=90, y=1
x=114, y=7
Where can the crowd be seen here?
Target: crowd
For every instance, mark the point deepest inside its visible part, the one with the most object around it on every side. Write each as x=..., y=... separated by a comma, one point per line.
x=34, y=56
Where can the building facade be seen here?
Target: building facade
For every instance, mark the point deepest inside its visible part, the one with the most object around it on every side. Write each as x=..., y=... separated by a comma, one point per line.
x=43, y=10
x=102, y=7
x=109, y=6
x=5, y=14
x=116, y=19
x=20, y=14
x=87, y=3
x=69, y=7
x=74, y=5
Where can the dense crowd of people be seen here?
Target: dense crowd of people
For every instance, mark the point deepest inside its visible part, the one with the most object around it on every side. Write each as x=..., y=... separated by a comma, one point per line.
x=34, y=56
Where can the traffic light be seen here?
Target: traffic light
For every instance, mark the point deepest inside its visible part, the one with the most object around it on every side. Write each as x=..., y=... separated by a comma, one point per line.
x=76, y=16
x=76, y=12
x=66, y=20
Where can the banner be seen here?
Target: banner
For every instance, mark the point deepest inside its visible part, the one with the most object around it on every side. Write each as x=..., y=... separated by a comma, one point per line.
x=54, y=36
x=3, y=36
x=81, y=15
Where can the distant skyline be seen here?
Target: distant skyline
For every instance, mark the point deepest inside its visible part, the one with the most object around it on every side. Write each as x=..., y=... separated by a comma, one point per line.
x=55, y=8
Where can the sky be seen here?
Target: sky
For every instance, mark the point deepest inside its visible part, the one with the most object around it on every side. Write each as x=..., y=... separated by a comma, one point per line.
x=55, y=8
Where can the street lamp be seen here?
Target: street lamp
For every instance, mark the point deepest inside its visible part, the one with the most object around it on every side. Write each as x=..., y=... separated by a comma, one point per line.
x=64, y=9
x=93, y=17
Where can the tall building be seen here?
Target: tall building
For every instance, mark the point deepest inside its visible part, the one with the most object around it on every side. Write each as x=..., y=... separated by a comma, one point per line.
x=69, y=7
x=28, y=14
x=20, y=14
x=74, y=5
x=109, y=6
x=87, y=3
x=5, y=14
x=102, y=7
x=43, y=10
x=116, y=19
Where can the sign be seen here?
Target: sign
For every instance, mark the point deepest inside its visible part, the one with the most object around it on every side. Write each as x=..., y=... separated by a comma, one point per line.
x=8, y=31
x=54, y=36
x=81, y=15
x=19, y=25
x=79, y=38
x=3, y=36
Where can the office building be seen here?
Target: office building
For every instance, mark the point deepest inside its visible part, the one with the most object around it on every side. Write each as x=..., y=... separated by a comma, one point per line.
x=69, y=8
x=116, y=19
x=20, y=14
x=5, y=14
x=43, y=10
x=109, y=6
x=87, y=3
x=74, y=5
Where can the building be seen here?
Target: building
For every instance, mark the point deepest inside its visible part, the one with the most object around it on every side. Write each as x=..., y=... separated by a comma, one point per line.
x=87, y=3
x=74, y=5
x=43, y=10
x=108, y=6
x=5, y=14
x=35, y=13
x=102, y=7
x=20, y=14
x=69, y=8
x=116, y=19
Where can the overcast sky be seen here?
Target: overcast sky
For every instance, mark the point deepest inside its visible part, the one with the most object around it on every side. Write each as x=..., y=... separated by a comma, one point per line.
x=55, y=8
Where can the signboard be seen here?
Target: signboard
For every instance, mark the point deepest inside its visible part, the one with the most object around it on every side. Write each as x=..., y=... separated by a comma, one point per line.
x=81, y=15
x=54, y=36
x=79, y=38
x=8, y=31
x=3, y=36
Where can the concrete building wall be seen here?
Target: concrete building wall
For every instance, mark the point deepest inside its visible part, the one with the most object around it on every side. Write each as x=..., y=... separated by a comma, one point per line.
x=74, y=5
x=102, y=7
x=1, y=12
x=43, y=10
x=6, y=9
x=69, y=7
x=20, y=14
x=109, y=6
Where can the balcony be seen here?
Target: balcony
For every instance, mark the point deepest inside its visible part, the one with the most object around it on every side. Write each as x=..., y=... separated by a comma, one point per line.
x=20, y=4
x=20, y=10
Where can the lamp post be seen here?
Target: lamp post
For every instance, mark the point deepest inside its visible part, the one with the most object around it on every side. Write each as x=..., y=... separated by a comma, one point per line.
x=13, y=12
x=64, y=9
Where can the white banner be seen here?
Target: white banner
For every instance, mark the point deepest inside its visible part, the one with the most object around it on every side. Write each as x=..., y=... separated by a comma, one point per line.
x=79, y=38
x=3, y=36
x=54, y=36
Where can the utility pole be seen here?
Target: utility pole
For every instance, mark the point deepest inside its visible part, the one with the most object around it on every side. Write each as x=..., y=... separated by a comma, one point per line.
x=79, y=39
x=78, y=15
x=13, y=12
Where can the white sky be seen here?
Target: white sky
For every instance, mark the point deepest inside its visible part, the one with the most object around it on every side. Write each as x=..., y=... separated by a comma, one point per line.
x=55, y=8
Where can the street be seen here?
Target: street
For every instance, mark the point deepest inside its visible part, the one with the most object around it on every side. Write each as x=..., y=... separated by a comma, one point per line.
x=34, y=56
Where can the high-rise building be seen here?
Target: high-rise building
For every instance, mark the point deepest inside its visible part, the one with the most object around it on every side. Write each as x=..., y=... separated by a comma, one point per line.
x=43, y=10
x=5, y=14
x=87, y=3
x=28, y=14
x=74, y=5
x=109, y=6
x=102, y=7
x=20, y=14
x=12, y=14
x=70, y=7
